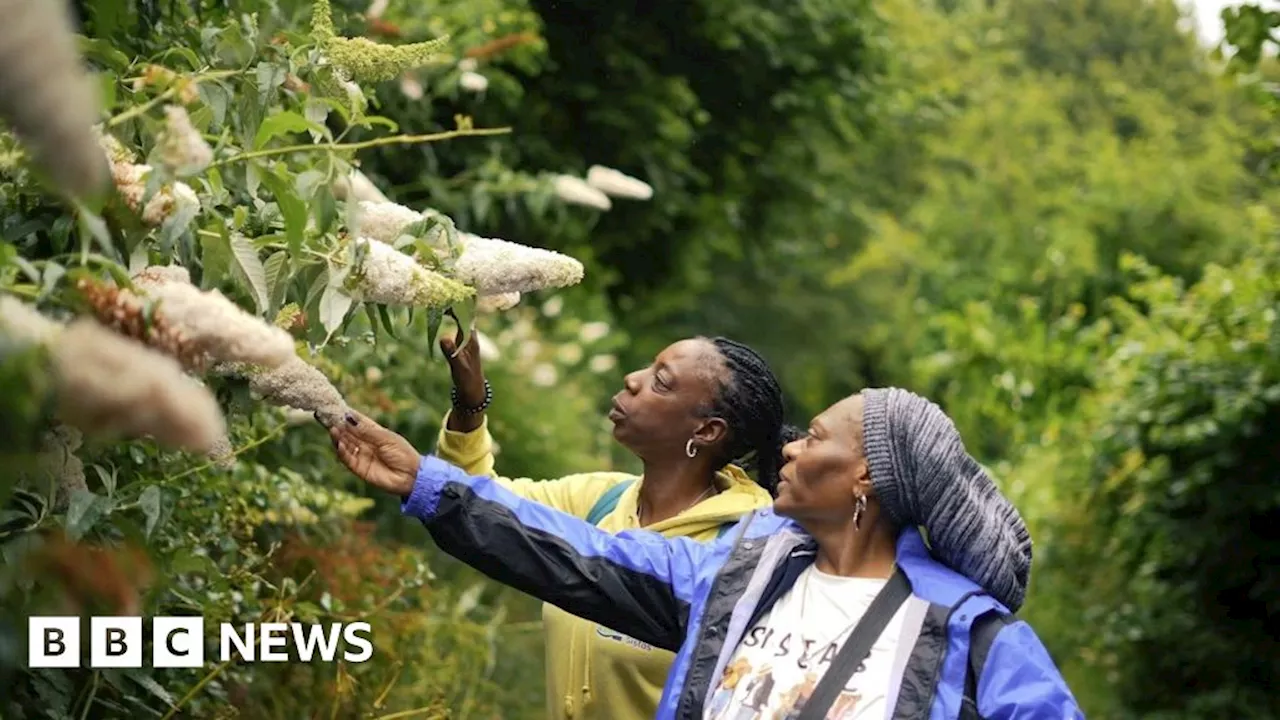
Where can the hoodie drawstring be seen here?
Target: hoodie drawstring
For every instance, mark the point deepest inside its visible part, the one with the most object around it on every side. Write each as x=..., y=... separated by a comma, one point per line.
x=568, y=695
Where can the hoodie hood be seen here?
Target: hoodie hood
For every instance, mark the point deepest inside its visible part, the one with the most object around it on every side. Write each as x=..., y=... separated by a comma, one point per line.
x=739, y=495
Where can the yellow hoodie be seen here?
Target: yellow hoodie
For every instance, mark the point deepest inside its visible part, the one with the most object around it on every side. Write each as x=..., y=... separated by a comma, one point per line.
x=594, y=673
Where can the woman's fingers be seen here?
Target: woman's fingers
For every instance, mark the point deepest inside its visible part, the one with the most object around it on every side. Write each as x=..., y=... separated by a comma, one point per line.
x=361, y=429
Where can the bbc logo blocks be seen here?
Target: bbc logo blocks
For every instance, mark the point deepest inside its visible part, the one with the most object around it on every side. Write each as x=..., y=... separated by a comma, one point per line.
x=178, y=642
x=115, y=642
x=54, y=642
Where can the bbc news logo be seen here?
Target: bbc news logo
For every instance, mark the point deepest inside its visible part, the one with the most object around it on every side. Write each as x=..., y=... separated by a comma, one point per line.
x=179, y=642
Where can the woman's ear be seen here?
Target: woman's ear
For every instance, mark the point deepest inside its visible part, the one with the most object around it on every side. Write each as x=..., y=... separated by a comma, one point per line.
x=711, y=431
x=862, y=480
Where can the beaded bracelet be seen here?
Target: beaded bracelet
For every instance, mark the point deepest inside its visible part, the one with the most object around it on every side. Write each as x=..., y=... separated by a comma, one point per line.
x=488, y=398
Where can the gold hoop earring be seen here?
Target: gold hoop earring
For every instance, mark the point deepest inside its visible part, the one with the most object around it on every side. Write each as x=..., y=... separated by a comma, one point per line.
x=689, y=449
x=858, y=509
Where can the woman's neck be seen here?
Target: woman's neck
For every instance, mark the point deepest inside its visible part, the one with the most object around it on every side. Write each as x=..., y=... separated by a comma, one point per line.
x=868, y=552
x=670, y=489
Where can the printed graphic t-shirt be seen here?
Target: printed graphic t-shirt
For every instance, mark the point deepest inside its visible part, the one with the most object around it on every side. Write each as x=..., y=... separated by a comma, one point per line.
x=782, y=657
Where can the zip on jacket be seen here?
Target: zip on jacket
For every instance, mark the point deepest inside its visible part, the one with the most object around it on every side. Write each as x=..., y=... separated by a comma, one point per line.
x=696, y=599
x=594, y=672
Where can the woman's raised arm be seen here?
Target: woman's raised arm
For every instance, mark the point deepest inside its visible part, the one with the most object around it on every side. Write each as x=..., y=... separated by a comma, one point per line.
x=636, y=582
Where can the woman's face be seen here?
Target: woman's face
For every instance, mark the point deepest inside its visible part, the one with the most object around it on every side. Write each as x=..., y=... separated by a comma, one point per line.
x=825, y=470
x=658, y=409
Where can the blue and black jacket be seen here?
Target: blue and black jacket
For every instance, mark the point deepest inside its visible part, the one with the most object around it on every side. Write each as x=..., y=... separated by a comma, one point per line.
x=698, y=599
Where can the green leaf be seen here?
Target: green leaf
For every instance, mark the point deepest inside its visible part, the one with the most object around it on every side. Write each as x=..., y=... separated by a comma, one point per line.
x=464, y=313
x=216, y=97
x=248, y=270
x=371, y=314
x=54, y=690
x=215, y=257
x=149, y=503
x=307, y=182
x=83, y=512
x=150, y=685
x=103, y=51
x=435, y=316
x=270, y=76
x=139, y=259
x=186, y=53
x=53, y=272
x=284, y=122
x=277, y=270
x=185, y=561
x=92, y=225
x=107, y=84
x=334, y=305
x=253, y=178
x=291, y=208
x=386, y=320
x=326, y=208
x=369, y=121
x=108, y=479
x=316, y=111
x=317, y=287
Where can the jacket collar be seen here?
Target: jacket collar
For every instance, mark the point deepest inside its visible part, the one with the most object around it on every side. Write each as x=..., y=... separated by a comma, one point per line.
x=930, y=579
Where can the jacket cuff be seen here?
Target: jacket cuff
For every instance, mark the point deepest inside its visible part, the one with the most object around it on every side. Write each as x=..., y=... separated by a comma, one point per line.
x=433, y=475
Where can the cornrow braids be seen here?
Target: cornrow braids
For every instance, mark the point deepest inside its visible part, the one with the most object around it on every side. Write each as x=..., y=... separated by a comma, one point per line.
x=750, y=401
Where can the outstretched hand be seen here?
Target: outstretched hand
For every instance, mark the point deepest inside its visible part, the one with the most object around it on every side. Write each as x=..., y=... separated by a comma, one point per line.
x=377, y=455
x=468, y=378
x=464, y=366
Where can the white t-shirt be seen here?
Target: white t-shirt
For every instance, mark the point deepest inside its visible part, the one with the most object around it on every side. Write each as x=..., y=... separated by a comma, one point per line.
x=782, y=657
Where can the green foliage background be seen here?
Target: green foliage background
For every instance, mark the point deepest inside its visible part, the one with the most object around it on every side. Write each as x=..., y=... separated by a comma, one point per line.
x=1056, y=219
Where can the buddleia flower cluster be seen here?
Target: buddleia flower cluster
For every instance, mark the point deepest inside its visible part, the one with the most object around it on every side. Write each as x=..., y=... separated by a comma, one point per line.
x=469, y=79
x=618, y=184
x=240, y=344
x=498, y=270
x=497, y=267
x=362, y=60
x=175, y=204
x=386, y=275
x=46, y=95
x=111, y=387
x=179, y=147
x=601, y=184
x=212, y=324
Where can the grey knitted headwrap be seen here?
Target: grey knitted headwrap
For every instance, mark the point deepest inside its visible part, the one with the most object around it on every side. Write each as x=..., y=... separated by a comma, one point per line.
x=923, y=476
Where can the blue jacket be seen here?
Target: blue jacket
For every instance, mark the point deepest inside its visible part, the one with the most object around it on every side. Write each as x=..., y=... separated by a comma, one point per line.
x=698, y=599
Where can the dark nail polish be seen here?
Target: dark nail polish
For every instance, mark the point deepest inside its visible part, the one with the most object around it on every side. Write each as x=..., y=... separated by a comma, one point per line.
x=351, y=420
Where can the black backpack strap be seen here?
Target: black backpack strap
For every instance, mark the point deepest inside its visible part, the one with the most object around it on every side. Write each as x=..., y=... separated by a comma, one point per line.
x=856, y=648
x=981, y=636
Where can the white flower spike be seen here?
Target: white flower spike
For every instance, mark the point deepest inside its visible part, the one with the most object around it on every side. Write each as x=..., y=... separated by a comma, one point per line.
x=495, y=267
x=615, y=183
x=391, y=277
x=576, y=191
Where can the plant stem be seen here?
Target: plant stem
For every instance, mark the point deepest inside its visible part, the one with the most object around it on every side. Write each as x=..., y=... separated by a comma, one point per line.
x=269, y=436
x=406, y=713
x=198, y=687
x=142, y=109
x=376, y=142
x=93, y=693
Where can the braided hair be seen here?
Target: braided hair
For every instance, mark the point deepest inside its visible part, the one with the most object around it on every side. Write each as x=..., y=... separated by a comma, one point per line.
x=750, y=401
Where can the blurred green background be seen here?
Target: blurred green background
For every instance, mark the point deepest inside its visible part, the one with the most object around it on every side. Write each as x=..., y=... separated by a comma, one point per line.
x=1057, y=219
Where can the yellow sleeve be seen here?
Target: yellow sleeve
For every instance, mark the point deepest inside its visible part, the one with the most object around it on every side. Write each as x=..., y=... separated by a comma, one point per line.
x=573, y=494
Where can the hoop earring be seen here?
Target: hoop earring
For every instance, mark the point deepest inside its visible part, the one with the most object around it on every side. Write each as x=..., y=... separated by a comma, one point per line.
x=689, y=449
x=858, y=509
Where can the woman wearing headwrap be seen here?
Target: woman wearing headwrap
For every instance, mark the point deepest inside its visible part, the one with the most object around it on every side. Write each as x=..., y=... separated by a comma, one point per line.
x=832, y=596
